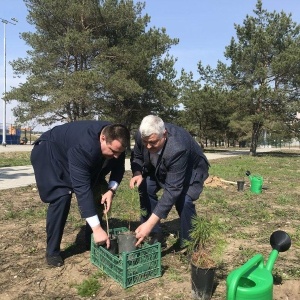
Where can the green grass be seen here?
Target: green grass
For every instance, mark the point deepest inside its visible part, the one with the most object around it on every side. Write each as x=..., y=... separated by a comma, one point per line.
x=10, y=159
x=174, y=274
x=247, y=219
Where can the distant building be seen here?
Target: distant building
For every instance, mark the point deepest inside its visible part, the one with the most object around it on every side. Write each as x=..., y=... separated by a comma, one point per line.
x=13, y=134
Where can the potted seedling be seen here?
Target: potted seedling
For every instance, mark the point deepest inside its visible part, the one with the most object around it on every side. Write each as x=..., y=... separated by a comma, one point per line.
x=241, y=181
x=127, y=239
x=204, y=248
x=113, y=249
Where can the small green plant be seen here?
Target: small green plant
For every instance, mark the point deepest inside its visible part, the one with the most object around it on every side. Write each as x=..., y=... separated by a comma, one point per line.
x=206, y=242
x=88, y=287
x=131, y=210
x=241, y=174
x=133, y=206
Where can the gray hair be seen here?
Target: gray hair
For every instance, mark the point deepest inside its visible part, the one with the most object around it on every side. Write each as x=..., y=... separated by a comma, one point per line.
x=152, y=125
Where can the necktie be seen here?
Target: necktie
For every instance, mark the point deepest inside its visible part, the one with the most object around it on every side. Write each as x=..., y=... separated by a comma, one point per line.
x=154, y=158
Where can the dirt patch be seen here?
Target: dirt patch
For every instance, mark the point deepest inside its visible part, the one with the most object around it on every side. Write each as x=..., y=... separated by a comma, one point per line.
x=215, y=181
x=24, y=274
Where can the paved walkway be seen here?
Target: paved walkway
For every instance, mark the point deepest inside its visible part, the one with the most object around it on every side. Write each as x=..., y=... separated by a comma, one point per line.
x=12, y=177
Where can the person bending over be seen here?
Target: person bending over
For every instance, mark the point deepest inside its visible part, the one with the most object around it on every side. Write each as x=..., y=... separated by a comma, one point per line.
x=75, y=158
x=167, y=157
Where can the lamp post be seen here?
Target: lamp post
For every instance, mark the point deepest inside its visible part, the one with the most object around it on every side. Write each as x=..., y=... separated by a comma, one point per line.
x=4, y=94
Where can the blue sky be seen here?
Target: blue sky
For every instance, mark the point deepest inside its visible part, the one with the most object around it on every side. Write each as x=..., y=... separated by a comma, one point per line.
x=204, y=28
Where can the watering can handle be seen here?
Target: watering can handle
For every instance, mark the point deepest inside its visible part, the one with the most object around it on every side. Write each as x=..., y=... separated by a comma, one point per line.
x=257, y=259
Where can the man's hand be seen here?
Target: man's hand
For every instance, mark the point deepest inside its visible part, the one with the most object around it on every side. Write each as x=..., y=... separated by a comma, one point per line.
x=100, y=236
x=107, y=198
x=135, y=181
x=145, y=229
x=142, y=232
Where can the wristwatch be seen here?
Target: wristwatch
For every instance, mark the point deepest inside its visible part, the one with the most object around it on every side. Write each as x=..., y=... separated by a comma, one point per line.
x=112, y=190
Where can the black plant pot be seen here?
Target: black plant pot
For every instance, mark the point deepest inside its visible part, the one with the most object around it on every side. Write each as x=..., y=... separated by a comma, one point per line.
x=240, y=185
x=126, y=241
x=202, y=282
x=113, y=249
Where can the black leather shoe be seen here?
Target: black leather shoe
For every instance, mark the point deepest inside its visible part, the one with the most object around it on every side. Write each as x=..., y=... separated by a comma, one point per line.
x=54, y=261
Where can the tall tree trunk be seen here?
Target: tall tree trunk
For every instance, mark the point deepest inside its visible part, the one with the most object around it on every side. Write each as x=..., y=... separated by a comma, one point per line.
x=256, y=129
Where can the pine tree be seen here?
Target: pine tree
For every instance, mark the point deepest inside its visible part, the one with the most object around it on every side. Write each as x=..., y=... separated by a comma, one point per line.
x=90, y=59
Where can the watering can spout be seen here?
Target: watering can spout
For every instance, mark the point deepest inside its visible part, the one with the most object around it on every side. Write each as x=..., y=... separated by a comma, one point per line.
x=280, y=242
x=271, y=261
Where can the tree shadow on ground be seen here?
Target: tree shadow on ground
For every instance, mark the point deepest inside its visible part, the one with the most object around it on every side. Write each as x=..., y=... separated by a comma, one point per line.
x=278, y=154
x=283, y=153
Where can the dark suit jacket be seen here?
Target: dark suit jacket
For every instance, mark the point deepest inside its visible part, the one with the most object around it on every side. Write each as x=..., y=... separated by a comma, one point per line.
x=68, y=159
x=181, y=169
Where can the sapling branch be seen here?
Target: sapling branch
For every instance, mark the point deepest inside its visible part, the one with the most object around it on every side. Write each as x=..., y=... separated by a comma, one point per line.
x=106, y=218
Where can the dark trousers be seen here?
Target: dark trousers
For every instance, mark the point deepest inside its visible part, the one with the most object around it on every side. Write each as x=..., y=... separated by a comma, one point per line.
x=185, y=207
x=57, y=215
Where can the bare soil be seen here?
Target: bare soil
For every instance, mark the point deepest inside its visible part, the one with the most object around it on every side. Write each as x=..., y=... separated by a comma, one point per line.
x=24, y=274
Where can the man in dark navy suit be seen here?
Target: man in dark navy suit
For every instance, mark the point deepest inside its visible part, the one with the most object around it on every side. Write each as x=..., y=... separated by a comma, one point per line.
x=75, y=158
x=166, y=157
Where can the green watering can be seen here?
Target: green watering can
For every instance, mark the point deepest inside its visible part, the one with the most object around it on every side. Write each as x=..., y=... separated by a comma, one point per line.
x=256, y=183
x=254, y=279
